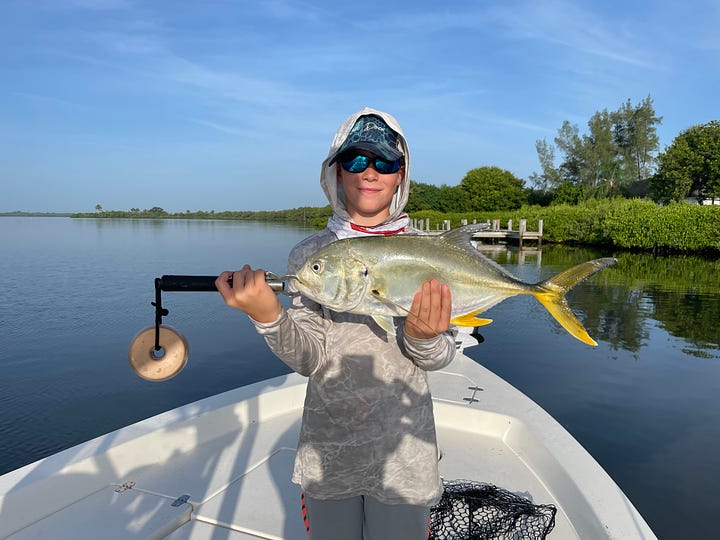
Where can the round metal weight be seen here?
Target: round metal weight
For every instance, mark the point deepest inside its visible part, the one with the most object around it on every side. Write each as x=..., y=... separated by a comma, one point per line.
x=160, y=365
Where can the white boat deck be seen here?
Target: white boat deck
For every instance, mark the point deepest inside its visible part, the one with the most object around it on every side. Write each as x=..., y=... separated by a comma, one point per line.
x=232, y=456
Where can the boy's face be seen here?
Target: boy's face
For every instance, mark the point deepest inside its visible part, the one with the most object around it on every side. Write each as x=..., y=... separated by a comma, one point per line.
x=368, y=194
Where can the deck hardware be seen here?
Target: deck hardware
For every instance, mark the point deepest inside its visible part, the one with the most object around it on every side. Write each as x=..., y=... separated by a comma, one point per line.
x=124, y=486
x=182, y=499
x=475, y=390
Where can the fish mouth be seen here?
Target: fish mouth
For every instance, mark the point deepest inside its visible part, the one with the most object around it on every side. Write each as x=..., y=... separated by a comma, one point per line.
x=288, y=278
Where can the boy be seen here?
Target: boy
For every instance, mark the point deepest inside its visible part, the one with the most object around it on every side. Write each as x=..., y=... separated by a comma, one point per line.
x=367, y=454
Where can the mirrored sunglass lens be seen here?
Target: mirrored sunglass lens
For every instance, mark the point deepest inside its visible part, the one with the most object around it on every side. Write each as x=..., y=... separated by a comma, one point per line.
x=386, y=167
x=357, y=164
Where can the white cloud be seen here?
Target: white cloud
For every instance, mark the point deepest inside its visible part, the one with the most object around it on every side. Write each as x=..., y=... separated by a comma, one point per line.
x=222, y=128
x=569, y=25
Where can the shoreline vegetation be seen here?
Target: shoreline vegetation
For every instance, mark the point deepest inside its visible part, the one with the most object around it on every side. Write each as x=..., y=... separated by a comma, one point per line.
x=624, y=224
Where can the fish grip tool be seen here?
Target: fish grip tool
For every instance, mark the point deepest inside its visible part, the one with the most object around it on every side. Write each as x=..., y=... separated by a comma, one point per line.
x=158, y=353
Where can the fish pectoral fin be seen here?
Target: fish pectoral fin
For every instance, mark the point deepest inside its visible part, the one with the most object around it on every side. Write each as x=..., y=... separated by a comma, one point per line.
x=381, y=298
x=469, y=319
x=386, y=323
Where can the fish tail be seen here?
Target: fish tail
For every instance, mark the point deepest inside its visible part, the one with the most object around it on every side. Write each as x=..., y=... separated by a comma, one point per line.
x=551, y=294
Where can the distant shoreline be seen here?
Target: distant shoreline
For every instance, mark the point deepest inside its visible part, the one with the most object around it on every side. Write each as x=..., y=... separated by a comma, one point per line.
x=305, y=214
x=35, y=214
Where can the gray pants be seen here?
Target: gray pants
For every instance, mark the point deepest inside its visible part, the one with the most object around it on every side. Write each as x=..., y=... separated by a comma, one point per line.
x=364, y=518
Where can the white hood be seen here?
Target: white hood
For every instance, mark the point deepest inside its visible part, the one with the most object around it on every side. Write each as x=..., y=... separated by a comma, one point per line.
x=328, y=173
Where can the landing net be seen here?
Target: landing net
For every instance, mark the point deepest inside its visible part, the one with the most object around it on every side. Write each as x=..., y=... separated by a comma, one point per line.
x=478, y=511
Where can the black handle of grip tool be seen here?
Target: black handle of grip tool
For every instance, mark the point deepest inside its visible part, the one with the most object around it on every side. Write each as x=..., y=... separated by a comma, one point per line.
x=187, y=283
x=177, y=283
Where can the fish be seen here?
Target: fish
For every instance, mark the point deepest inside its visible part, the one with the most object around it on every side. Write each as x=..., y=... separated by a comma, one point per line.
x=379, y=276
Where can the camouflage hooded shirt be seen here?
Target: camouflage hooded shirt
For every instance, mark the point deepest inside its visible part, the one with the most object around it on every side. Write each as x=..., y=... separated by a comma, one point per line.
x=367, y=425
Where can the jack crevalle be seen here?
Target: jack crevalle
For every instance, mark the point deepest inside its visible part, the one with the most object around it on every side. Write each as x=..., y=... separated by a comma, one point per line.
x=378, y=276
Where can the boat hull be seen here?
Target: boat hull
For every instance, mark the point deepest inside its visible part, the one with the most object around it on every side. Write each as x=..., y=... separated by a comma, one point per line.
x=225, y=462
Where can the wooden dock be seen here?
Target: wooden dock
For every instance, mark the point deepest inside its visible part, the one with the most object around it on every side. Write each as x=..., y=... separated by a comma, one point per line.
x=494, y=232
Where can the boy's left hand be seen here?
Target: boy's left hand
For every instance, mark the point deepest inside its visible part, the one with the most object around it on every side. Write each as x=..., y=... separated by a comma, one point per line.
x=430, y=311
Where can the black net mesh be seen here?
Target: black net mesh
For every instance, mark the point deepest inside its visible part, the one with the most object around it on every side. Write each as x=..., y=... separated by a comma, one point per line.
x=475, y=511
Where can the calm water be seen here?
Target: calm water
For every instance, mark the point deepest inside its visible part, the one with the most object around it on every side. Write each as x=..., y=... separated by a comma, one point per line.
x=644, y=402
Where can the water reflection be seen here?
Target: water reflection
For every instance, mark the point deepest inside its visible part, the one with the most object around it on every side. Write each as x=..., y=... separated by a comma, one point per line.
x=680, y=293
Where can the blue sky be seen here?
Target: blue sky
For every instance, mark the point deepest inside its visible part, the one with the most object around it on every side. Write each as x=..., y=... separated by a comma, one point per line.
x=231, y=105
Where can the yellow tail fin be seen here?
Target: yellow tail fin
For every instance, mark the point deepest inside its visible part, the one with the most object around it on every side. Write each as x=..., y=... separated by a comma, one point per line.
x=551, y=294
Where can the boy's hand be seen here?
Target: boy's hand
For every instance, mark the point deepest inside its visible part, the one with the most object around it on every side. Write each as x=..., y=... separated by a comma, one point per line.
x=249, y=293
x=430, y=311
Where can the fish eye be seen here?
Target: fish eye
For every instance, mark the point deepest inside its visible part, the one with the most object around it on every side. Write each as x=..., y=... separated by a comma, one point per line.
x=316, y=267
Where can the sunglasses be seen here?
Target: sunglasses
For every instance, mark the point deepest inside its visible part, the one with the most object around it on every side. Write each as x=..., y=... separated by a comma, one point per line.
x=358, y=163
